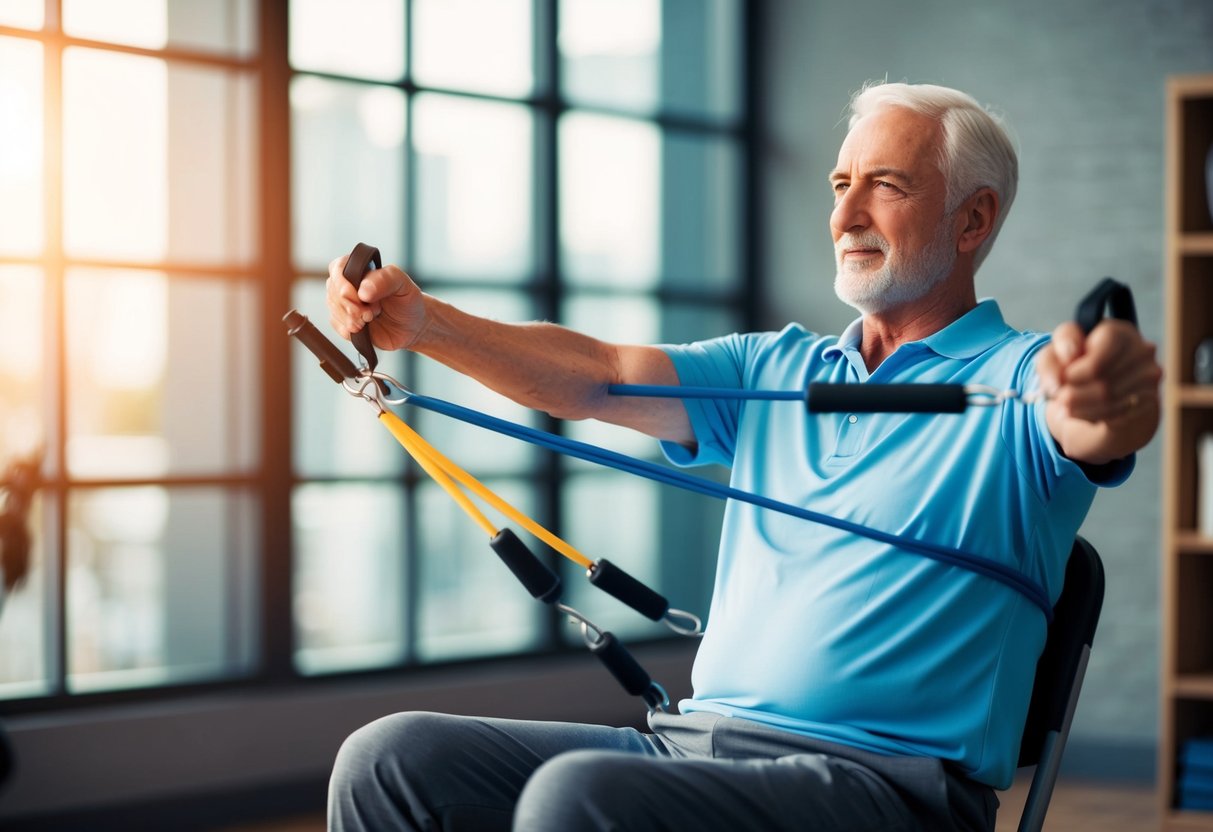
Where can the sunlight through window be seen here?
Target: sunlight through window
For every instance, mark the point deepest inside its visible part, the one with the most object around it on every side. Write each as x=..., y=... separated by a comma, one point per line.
x=21, y=220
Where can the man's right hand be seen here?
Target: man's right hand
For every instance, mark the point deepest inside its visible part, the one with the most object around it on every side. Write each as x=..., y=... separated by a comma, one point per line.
x=386, y=296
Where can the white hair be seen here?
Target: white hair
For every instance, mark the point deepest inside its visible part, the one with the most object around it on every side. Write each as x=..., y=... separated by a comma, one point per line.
x=977, y=151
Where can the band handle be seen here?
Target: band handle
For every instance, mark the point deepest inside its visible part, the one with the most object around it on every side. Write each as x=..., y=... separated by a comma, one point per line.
x=360, y=261
x=824, y=397
x=1116, y=297
x=821, y=397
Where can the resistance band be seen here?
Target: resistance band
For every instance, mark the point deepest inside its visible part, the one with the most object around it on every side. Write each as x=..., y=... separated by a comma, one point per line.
x=545, y=584
x=340, y=368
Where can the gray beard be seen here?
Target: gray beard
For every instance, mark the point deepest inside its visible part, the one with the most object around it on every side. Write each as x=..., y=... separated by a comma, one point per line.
x=899, y=280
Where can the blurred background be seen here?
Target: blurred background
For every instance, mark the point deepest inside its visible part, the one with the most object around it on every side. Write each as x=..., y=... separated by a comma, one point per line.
x=233, y=566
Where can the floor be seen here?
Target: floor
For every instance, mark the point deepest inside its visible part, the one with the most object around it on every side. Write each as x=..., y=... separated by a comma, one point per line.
x=1075, y=807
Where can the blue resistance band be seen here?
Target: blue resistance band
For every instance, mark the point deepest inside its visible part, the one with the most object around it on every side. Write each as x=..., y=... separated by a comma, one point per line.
x=661, y=391
x=592, y=453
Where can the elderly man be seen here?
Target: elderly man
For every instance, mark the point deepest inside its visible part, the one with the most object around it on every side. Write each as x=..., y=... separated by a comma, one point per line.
x=841, y=684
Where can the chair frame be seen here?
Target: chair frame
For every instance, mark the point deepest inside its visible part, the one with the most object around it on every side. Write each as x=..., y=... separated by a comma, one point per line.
x=1059, y=676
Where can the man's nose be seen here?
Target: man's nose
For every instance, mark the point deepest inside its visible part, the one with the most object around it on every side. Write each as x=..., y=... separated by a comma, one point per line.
x=850, y=212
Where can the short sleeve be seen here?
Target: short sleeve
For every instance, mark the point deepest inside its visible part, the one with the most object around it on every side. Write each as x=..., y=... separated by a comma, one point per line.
x=719, y=362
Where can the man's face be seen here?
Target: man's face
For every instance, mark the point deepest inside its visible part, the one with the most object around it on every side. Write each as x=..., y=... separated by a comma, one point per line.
x=891, y=242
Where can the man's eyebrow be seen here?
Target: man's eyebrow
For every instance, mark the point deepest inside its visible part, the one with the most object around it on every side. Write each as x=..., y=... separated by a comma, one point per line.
x=874, y=173
x=889, y=173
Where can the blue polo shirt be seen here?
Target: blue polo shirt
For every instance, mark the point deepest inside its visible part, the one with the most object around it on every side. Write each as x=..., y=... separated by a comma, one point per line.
x=846, y=639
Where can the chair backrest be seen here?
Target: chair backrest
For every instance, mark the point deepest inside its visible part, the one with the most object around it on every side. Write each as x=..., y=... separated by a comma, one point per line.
x=1059, y=674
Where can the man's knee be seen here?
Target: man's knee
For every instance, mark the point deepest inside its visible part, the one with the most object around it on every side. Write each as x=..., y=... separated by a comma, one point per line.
x=584, y=790
x=393, y=746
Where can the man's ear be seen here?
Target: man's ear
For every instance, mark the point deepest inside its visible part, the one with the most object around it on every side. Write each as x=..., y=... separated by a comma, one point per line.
x=978, y=214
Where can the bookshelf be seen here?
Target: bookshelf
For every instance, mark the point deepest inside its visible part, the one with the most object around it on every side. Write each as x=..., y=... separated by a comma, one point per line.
x=1187, y=554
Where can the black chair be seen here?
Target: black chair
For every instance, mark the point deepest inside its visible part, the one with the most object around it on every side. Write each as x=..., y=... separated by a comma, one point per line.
x=1059, y=674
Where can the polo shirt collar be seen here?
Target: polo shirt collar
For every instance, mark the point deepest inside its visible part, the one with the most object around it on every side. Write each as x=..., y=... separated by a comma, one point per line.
x=969, y=335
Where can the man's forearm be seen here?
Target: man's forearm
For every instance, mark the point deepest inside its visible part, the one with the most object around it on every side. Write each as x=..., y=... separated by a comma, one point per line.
x=538, y=365
x=556, y=370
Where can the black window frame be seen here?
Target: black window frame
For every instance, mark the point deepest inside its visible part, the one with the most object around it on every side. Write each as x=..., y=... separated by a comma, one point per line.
x=273, y=480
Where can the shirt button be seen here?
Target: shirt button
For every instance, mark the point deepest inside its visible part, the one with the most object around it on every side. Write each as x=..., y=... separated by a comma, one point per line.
x=852, y=418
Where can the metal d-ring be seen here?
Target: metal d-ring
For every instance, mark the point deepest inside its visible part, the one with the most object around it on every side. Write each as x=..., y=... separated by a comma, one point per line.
x=586, y=625
x=369, y=385
x=983, y=395
x=656, y=697
x=693, y=628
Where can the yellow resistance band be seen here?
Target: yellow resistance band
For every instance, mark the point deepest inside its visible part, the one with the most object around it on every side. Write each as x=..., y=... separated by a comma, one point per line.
x=442, y=470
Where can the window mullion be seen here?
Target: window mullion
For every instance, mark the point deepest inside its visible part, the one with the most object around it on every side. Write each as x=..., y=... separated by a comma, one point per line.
x=276, y=625
x=56, y=358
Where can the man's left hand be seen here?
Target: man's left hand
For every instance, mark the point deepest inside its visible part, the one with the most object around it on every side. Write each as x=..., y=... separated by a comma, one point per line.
x=1103, y=390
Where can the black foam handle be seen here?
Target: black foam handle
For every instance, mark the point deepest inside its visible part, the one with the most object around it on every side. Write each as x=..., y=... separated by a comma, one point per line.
x=822, y=397
x=531, y=572
x=361, y=259
x=614, y=581
x=1116, y=297
x=622, y=664
x=332, y=360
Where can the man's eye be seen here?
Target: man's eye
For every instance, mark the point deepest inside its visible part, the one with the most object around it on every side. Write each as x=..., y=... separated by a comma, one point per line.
x=880, y=183
x=840, y=187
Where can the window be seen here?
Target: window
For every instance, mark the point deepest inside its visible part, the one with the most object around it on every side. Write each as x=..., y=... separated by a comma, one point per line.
x=213, y=508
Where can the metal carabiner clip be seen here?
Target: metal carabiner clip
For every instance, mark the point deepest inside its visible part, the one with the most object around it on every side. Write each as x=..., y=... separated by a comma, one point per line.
x=363, y=383
x=373, y=387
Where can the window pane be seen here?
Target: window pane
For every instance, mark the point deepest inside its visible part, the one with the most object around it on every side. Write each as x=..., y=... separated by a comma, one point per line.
x=475, y=183
x=471, y=604
x=23, y=432
x=337, y=434
x=349, y=577
x=700, y=212
x=477, y=45
x=609, y=193
x=212, y=166
x=161, y=374
x=159, y=585
x=22, y=371
x=682, y=323
x=609, y=52
x=23, y=14
x=677, y=56
x=216, y=26
x=24, y=621
x=478, y=450
x=115, y=151
x=612, y=516
x=359, y=38
x=347, y=175
x=21, y=209
x=701, y=48
x=639, y=208
x=129, y=120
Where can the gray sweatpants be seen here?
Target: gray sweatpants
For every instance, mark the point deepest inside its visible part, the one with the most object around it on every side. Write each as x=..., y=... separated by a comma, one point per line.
x=702, y=772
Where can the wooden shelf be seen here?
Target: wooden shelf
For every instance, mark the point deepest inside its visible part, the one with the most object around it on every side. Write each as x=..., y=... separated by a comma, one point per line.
x=1177, y=821
x=1195, y=243
x=1193, y=685
x=1196, y=395
x=1193, y=543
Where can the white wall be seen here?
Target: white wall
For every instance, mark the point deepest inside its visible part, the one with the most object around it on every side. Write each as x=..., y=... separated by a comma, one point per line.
x=1082, y=85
